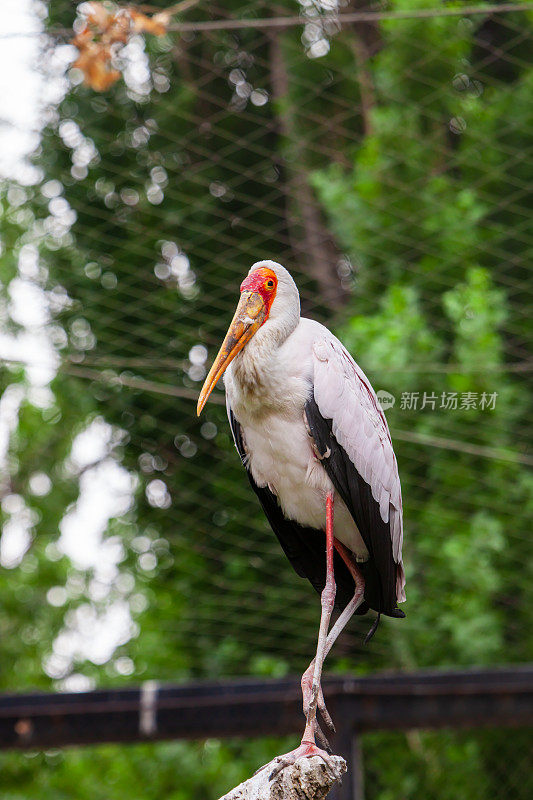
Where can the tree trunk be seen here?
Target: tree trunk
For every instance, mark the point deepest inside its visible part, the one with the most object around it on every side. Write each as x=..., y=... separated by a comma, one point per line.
x=312, y=243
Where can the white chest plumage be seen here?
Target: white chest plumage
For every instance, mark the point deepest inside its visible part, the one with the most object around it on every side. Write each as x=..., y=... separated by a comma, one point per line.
x=267, y=397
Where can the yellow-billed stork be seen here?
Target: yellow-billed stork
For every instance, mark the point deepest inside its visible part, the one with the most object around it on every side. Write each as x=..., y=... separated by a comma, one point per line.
x=310, y=432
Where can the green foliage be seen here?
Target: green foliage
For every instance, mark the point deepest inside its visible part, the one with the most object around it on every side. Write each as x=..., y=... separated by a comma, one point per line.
x=395, y=338
x=173, y=770
x=477, y=312
x=417, y=159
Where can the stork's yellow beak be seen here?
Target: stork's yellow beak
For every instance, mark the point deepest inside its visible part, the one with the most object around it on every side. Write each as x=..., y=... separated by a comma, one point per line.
x=249, y=317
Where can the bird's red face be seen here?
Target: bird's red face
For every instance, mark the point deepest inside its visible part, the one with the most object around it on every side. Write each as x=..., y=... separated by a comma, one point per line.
x=258, y=291
x=265, y=282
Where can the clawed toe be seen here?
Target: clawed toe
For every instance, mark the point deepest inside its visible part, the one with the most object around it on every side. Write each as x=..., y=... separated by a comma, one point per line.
x=325, y=713
x=307, y=692
x=305, y=750
x=322, y=738
x=280, y=763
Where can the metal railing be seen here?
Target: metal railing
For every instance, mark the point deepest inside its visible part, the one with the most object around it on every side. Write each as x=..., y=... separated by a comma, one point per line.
x=255, y=708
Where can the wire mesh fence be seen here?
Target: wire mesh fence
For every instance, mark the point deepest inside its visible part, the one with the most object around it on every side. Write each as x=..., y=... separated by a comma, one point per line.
x=481, y=760
x=387, y=163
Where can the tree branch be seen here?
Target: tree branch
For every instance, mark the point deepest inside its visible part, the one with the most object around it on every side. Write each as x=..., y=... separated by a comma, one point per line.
x=307, y=779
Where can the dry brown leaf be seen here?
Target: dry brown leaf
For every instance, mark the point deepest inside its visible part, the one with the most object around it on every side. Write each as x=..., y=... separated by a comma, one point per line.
x=82, y=39
x=95, y=63
x=119, y=28
x=105, y=32
x=143, y=24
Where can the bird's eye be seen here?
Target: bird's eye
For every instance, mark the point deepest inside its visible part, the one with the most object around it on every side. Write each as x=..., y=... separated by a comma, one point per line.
x=269, y=284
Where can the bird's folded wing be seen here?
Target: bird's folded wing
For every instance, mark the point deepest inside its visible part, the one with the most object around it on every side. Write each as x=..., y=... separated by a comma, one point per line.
x=344, y=396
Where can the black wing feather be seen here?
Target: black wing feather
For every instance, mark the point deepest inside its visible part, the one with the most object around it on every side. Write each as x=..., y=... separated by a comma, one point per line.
x=380, y=569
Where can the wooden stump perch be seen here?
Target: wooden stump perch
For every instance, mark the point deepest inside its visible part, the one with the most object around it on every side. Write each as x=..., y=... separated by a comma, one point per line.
x=307, y=779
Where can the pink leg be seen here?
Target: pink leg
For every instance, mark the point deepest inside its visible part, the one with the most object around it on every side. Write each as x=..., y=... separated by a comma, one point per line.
x=357, y=598
x=333, y=635
x=308, y=745
x=312, y=676
x=327, y=600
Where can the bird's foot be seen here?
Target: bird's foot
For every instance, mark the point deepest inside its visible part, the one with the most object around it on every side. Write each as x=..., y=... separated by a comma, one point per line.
x=306, y=749
x=312, y=695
